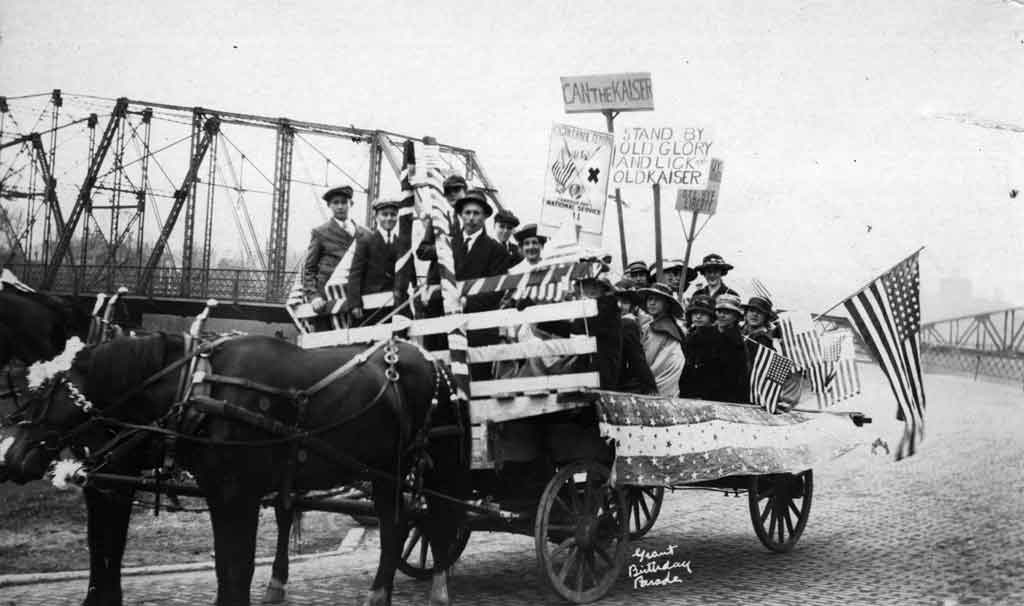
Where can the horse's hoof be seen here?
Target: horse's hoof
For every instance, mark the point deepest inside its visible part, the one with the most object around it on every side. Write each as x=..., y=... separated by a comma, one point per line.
x=378, y=597
x=273, y=595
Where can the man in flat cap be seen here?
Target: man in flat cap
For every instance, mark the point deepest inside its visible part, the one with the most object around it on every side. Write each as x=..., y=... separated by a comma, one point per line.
x=505, y=223
x=328, y=243
x=373, y=263
x=637, y=273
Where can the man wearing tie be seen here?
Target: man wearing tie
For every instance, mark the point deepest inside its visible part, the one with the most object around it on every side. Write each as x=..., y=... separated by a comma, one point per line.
x=478, y=255
x=373, y=262
x=328, y=243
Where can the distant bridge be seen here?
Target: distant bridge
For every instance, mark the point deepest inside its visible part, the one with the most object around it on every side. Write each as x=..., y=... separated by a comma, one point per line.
x=98, y=193
x=985, y=344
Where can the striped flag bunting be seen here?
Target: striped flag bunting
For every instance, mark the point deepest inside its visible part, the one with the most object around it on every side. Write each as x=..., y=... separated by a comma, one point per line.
x=663, y=441
x=887, y=314
x=836, y=377
x=7, y=278
x=544, y=284
x=335, y=287
x=767, y=376
x=800, y=341
x=760, y=289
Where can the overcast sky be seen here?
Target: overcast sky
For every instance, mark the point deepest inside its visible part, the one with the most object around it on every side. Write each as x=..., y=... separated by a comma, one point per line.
x=826, y=114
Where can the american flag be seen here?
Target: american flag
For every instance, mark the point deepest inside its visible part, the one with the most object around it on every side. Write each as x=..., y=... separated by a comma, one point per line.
x=887, y=313
x=564, y=169
x=835, y=378
x=760, y=289
x=769, y=372
x=800, y=339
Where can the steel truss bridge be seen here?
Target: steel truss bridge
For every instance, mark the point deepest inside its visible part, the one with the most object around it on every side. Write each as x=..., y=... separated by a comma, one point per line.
x=990, y=344
x=178, y=203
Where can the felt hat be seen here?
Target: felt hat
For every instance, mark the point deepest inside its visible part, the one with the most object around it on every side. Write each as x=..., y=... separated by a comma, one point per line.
x=762, y=305
x=729, y=303
x=344, y=190
x=678, y=265
x=636, y=266
x=507, y=217
x=701, y=303
x=714, y=261
x=659, y=289
x=624, y=289
x=386, y=203
x=454, y=182
x=474, y=196
x=528, y=231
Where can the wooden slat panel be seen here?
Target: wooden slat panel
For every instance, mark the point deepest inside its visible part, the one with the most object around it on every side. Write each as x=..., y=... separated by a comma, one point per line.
x=370, y=302
x=497, y=410
x=345, y=336
x=576, y=345
x=567, y=310
x=509, y=387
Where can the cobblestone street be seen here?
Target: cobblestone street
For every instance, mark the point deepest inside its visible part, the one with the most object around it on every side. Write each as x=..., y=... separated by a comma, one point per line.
x=943, y=527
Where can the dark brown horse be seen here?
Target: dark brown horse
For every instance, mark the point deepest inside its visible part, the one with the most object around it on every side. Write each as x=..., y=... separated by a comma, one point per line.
x=372, y=415
x=108, y=511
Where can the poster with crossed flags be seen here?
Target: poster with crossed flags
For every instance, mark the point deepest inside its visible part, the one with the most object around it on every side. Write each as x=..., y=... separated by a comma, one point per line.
x=576, y=182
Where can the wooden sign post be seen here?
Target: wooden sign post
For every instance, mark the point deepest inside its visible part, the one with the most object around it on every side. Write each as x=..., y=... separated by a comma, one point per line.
x=697, y=202
x=609, y=94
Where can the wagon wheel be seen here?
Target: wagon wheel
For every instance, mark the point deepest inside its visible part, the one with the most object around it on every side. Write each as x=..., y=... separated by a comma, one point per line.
x=581, y=532
x=643, y=505
x=779, y=506
x=417, y=559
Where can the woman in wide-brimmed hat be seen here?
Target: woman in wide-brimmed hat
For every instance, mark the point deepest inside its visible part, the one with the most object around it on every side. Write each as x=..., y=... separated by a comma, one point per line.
x=714, y=268
x=663, y=337
x=701, y=374
x=735, y=377
x=635, y=374
x=757, y=314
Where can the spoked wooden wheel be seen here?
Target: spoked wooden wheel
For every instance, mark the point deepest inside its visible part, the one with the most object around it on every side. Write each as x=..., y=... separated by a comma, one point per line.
x=417, y=559
x=643, y=505
x=779, y=506
x=581, y=532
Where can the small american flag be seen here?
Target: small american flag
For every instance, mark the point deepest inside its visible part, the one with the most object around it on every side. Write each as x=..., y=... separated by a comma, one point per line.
x=769, y=372
x=760, y=289
x=800, y=339
x=887, y=313
x=835, y=378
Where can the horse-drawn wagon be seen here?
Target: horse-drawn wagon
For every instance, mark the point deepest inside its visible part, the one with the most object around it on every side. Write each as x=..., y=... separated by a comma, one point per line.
x=581, y=469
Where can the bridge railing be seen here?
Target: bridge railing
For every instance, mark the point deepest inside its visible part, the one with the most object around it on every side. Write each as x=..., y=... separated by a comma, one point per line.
x=229, y=285
x=997, y=331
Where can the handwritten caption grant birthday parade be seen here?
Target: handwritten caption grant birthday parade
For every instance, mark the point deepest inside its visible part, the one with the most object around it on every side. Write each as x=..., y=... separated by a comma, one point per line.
x=655, y=568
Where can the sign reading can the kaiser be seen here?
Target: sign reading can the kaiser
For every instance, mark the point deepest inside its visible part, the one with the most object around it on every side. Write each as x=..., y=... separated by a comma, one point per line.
x=678, y=157
x=607, y=92
x=576, y=182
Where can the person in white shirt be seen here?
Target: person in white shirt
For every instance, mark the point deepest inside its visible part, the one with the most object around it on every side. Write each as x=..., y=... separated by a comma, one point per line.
x=531, y=244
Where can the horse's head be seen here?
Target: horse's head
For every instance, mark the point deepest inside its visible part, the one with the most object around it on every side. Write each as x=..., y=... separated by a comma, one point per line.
x=104, y=382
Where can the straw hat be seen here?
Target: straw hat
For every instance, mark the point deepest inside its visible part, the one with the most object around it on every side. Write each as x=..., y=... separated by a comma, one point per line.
x=659, y=289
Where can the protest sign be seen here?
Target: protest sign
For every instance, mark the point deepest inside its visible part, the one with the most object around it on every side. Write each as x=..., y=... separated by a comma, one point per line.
x=666, y=156
x=703, y=200
x=607, y=92
x=576, y=182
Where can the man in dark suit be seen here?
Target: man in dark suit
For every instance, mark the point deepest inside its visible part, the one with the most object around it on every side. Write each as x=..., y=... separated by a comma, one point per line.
x=373, y=263
x=478, y=255
x=454, y=189
x=505, y=223
x=328, y=243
